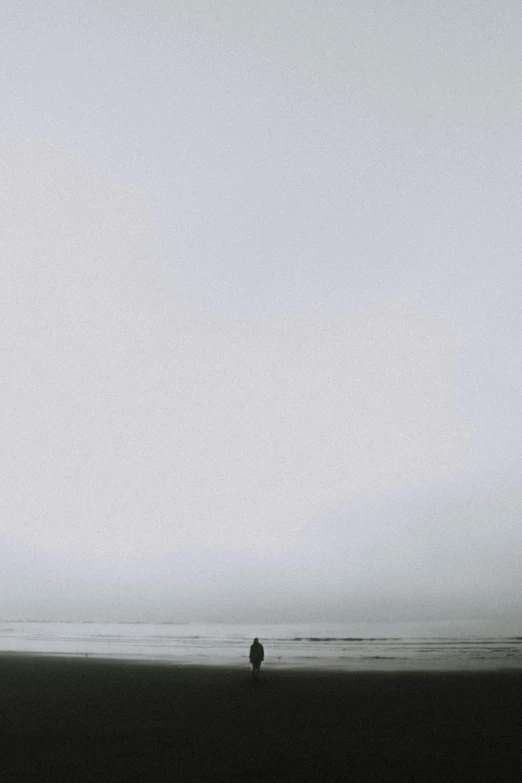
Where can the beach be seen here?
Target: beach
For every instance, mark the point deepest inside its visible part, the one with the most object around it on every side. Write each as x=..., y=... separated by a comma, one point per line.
x=79, y=719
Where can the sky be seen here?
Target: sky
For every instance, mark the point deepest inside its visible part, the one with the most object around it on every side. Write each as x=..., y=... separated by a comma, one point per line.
x=260, y=290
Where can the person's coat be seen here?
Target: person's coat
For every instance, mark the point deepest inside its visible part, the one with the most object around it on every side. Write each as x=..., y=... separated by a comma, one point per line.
x=257, y=653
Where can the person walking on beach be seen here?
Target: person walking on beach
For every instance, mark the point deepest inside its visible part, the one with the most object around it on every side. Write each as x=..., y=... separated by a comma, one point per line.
x=257, y=656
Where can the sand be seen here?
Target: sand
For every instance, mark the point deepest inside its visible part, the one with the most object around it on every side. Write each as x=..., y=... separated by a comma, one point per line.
x=90, y=720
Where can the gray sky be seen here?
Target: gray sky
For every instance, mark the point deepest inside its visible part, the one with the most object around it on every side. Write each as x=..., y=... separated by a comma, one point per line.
x=260, y=309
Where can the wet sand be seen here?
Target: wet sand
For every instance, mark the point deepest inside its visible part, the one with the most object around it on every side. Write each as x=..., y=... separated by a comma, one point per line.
x=89, y=720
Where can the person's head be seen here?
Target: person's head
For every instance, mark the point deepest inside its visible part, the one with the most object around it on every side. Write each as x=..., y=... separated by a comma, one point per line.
x=256, y=640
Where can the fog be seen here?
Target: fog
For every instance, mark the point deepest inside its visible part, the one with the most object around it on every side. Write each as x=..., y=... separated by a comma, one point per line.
x=260, y=296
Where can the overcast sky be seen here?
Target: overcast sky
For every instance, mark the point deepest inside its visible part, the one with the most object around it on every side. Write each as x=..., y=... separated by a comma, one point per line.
x=260, y=292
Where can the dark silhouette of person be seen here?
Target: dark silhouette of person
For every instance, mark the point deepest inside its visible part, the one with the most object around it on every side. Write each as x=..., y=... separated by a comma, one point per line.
x=257, y=656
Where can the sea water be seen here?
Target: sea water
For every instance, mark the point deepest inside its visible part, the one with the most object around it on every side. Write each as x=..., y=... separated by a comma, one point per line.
x=350, y=646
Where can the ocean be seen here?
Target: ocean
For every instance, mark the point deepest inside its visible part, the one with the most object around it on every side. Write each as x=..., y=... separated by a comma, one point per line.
x=351, y=646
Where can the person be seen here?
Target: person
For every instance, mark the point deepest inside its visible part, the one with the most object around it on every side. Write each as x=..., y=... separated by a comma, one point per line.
x=257, y=656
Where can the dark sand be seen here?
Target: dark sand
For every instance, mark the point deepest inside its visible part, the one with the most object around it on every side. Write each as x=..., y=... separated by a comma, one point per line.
x=85, y=720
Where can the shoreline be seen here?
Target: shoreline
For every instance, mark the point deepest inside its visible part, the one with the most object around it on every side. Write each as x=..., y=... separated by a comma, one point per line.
x=87, y=719
x=348, y=666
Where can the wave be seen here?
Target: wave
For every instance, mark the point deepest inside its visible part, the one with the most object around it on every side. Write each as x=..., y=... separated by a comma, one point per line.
x=341, y=639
